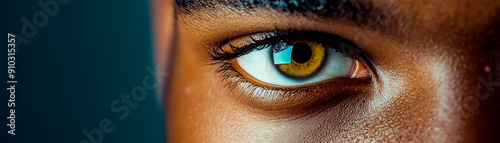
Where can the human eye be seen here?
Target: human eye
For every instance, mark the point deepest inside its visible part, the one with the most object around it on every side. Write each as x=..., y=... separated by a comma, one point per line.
x=295, y=60
x=280, y=65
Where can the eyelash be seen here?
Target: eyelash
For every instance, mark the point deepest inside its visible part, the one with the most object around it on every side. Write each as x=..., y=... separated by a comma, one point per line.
x=234, y=79
x=219, y=54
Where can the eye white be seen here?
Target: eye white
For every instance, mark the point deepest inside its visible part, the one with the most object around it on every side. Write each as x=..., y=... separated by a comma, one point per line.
x=259, y=64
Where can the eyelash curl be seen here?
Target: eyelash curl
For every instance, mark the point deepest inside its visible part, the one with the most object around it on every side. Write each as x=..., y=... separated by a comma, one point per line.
x=235, y=80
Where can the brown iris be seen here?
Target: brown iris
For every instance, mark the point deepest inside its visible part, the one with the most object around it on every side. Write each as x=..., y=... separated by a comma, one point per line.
x=306, y=58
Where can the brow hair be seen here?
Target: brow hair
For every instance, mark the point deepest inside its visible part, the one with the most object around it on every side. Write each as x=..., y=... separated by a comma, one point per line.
x=359, y=11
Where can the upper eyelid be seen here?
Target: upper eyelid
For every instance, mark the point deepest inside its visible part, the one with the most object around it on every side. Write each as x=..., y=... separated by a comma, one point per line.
x=265, y=39
x=220, y=54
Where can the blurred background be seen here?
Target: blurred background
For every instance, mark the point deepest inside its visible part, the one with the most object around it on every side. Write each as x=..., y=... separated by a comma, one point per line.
x=78, y=71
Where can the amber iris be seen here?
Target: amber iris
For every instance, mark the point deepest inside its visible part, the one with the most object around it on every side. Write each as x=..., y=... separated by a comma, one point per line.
x=305, y=59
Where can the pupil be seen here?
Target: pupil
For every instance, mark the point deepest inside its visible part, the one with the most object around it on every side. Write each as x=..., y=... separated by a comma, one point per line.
x=301, y=53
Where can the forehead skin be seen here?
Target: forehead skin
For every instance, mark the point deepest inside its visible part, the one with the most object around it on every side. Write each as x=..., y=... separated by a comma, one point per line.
x=428, y=69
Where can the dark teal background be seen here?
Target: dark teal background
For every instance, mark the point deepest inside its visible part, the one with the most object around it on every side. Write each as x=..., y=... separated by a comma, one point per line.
x=68, y=75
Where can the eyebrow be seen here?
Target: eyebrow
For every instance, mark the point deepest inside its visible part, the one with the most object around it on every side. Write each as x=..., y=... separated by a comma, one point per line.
x=362, y=12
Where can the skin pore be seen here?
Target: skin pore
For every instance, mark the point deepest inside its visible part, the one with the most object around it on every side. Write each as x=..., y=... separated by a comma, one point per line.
x=424, y=60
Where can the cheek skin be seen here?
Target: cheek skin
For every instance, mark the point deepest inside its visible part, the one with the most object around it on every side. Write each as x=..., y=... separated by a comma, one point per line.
x=422, y=94
x=197, y=110
x=419, y=100
x=200, y=109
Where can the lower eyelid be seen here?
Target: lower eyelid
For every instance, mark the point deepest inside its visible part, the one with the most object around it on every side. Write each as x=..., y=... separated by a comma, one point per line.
x=289, y=100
